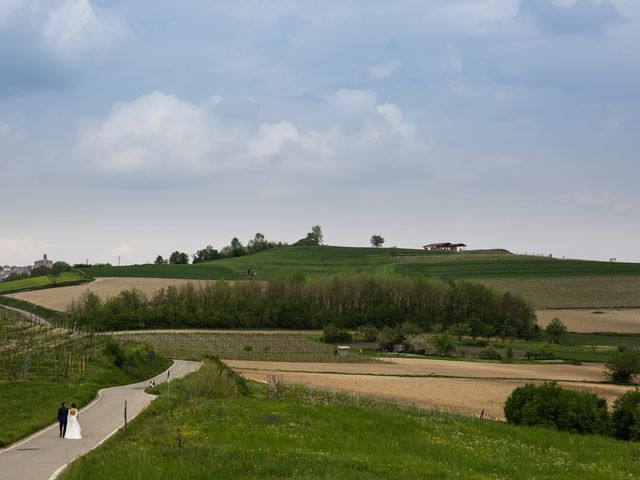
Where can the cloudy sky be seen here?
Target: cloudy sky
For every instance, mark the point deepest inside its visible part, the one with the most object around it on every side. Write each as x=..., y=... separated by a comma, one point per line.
x=136, y=128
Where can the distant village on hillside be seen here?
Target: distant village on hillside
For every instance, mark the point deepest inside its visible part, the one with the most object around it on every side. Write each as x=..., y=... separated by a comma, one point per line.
x=7, y=271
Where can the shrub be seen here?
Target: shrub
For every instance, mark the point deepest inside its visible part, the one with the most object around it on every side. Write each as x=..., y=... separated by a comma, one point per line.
x=509, y=352
x=248, y=347
x=332, y=334
x=543, y=352
x=114, y=351
x=370, y=333
x=548, y=405
x=417, y=344
x=556, y=329
x=390, y=336
x=625, y=417
x=212, y=381
x=443, y=343
x=490, y=353
x=623, y=366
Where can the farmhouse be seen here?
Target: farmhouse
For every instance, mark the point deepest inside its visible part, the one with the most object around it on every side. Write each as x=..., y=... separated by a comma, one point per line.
x=444, y=247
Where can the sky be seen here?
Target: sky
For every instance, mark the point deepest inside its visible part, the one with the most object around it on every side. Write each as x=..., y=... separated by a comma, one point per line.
x=133, y=128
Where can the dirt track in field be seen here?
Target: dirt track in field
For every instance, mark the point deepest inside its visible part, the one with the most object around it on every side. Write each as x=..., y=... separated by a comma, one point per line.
x=594, y=320
x=60, y=298
x=473, y=386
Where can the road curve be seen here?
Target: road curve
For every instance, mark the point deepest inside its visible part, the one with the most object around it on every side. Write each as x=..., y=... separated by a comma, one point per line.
x=44, y=455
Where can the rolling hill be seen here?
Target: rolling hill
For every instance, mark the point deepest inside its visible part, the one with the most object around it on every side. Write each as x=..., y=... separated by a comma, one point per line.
x=330, y=260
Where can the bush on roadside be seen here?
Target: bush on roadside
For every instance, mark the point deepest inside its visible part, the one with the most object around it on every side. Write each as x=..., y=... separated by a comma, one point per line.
x=623, y=367
x=444, y=344
x=548, y=405
x=490, y=353
x=625, y=417
x=333, y=334
x=114, y=351
x=543, y=352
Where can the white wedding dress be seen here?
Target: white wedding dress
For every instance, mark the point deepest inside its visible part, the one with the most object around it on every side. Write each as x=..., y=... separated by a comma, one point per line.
x=73, y=427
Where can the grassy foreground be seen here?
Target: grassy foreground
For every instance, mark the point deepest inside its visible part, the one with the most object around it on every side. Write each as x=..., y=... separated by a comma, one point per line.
x=208, y=431
x=32, y=405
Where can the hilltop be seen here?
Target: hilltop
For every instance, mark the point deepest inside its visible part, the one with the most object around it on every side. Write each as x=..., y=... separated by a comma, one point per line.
x=332, y=260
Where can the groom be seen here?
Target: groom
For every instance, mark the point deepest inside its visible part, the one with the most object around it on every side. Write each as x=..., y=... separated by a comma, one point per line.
x=62, y=418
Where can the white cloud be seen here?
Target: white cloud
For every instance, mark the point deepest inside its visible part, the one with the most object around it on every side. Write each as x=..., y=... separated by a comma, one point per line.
x=395, y=117
x=76, y=26
x=482, y=11
x=353, y=100
x=271, y=137
x=384, y=70
x=158, y=134
x=21, y=245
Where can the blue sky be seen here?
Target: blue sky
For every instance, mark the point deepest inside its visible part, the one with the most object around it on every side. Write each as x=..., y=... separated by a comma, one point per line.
x=134, y=128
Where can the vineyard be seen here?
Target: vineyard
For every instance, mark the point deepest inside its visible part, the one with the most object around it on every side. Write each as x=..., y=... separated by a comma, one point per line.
x=31, y=350
x=240, y=346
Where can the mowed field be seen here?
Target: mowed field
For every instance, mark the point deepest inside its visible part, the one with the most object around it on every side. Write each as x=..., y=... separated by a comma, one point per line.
x=463, y=387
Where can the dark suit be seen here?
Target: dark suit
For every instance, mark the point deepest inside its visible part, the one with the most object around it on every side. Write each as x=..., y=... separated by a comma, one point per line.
x=62, y=418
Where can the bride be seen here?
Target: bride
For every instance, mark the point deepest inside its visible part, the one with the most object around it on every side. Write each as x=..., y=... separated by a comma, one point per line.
x=73, y=426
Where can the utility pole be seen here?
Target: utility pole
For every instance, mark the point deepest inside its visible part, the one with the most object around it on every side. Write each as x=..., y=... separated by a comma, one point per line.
x=118, y=260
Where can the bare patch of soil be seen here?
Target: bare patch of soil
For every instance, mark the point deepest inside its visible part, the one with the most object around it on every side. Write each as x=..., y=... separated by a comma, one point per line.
x=60, y=298
x=470, y=391
x=594, y=320
x=449, y=368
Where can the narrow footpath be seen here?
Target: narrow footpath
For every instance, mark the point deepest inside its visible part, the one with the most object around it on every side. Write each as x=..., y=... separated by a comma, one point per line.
x=43, y=455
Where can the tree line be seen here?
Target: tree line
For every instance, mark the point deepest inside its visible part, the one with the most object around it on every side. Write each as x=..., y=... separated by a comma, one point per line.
x=236, y=249
x=347, y=301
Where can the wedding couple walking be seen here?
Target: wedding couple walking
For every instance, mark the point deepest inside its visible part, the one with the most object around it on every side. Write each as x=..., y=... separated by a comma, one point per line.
x=69, y=425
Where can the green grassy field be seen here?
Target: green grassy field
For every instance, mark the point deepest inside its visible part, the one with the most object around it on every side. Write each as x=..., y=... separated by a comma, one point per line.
x=327, y=260
x=547, y=282
x=314, y=435
x=34, y=283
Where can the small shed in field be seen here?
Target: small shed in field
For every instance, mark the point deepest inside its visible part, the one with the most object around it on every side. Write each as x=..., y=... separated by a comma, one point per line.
x=342, y=350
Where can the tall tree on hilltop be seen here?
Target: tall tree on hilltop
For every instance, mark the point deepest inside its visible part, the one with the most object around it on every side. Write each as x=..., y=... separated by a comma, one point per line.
x=179, y=258
x=376, y=241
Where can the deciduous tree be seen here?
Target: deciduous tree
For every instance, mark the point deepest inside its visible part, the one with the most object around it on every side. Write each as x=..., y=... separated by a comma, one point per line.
x=376, y=241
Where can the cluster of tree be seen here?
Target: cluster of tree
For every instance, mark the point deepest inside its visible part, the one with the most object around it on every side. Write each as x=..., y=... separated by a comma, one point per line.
x=235, y=249
x=549, y=405
x=347, y=301
x=314, y=237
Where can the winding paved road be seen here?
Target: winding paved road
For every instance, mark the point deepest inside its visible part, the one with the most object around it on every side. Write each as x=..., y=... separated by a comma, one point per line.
x=43, y=455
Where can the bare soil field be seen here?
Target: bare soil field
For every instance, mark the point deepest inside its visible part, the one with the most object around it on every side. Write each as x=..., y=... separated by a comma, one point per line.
x=450, y=368
x=60, y=298
x=591, y=321
x=470, y=392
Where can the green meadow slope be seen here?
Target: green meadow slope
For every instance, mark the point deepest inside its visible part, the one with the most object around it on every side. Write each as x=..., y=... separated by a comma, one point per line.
x=547, y=282
x=329, y=260
x=35, y=283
